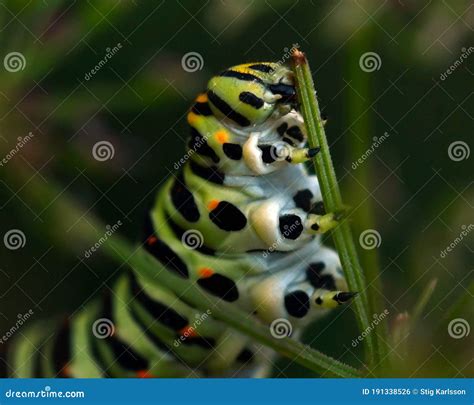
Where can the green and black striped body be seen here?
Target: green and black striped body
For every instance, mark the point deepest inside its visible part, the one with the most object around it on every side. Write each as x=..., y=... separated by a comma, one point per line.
x=241, y=219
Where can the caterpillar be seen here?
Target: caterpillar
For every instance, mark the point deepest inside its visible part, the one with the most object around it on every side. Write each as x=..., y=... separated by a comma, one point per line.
x=242, y=219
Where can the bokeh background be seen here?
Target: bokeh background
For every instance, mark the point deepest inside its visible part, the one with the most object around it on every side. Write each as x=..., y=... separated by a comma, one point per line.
x=395, y=74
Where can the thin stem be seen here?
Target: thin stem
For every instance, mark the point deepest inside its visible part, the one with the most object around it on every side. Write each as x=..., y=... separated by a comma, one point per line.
x=332, y=198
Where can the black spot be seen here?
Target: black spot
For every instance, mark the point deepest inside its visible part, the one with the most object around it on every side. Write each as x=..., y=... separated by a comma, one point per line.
x=160, y=312
x=211, y=174
x=163, y=253
x=297, y=303
x=318, y=208
x=251, y=99
x=261, y=68
x=295, y=133
x=287, y=91
x=62, y=348
x=241, y=76
x=291, y=226
x=179, y=232
x=318, y=301
x=317, y=280
x=183, y=200
x=245, y=356
x=128, y=358
x=289, y=141
x=198, y=144
x=269, y=153
x=232, y=151
x=282, y=129
x=220, y=286
x=227, y=110
x=202, y=109
x=201, y=341
x=228, y=217
x=302, y=199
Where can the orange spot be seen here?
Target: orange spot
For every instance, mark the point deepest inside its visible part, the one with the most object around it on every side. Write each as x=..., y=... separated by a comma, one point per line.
x=192, y=118
x=222, y=136
x=205, y=272
x=202, y=98
x=143, y=374
x=188, y=331
x=151, y=240
x=66, y=370
x=212, y=205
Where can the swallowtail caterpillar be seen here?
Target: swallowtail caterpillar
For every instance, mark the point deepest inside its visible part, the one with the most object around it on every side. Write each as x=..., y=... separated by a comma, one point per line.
x=242, y=220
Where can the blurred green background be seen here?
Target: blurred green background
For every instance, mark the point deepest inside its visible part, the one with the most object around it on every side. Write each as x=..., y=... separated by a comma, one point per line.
x=414, y=191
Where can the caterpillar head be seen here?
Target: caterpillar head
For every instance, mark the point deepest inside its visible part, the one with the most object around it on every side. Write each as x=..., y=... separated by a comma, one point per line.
x=247, y=95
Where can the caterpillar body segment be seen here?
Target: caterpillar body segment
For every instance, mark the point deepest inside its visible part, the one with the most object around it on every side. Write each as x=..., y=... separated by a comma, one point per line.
x=241, y=220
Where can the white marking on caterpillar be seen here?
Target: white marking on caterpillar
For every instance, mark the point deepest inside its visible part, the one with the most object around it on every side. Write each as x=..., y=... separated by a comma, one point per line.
x=14, y=62
x=370, y=62
x=281, y=328
x=192, y=62
x=370, y=239
x=192, y=239
x=103, y=150
x=103, y=328
x=459, y=328
x=14, y=239
x=458, y=150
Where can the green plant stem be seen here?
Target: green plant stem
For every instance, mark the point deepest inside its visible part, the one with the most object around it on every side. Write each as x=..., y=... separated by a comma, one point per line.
x=332, y=198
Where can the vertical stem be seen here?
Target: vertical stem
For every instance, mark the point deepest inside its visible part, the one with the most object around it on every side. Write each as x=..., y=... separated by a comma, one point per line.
x=332, y=196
